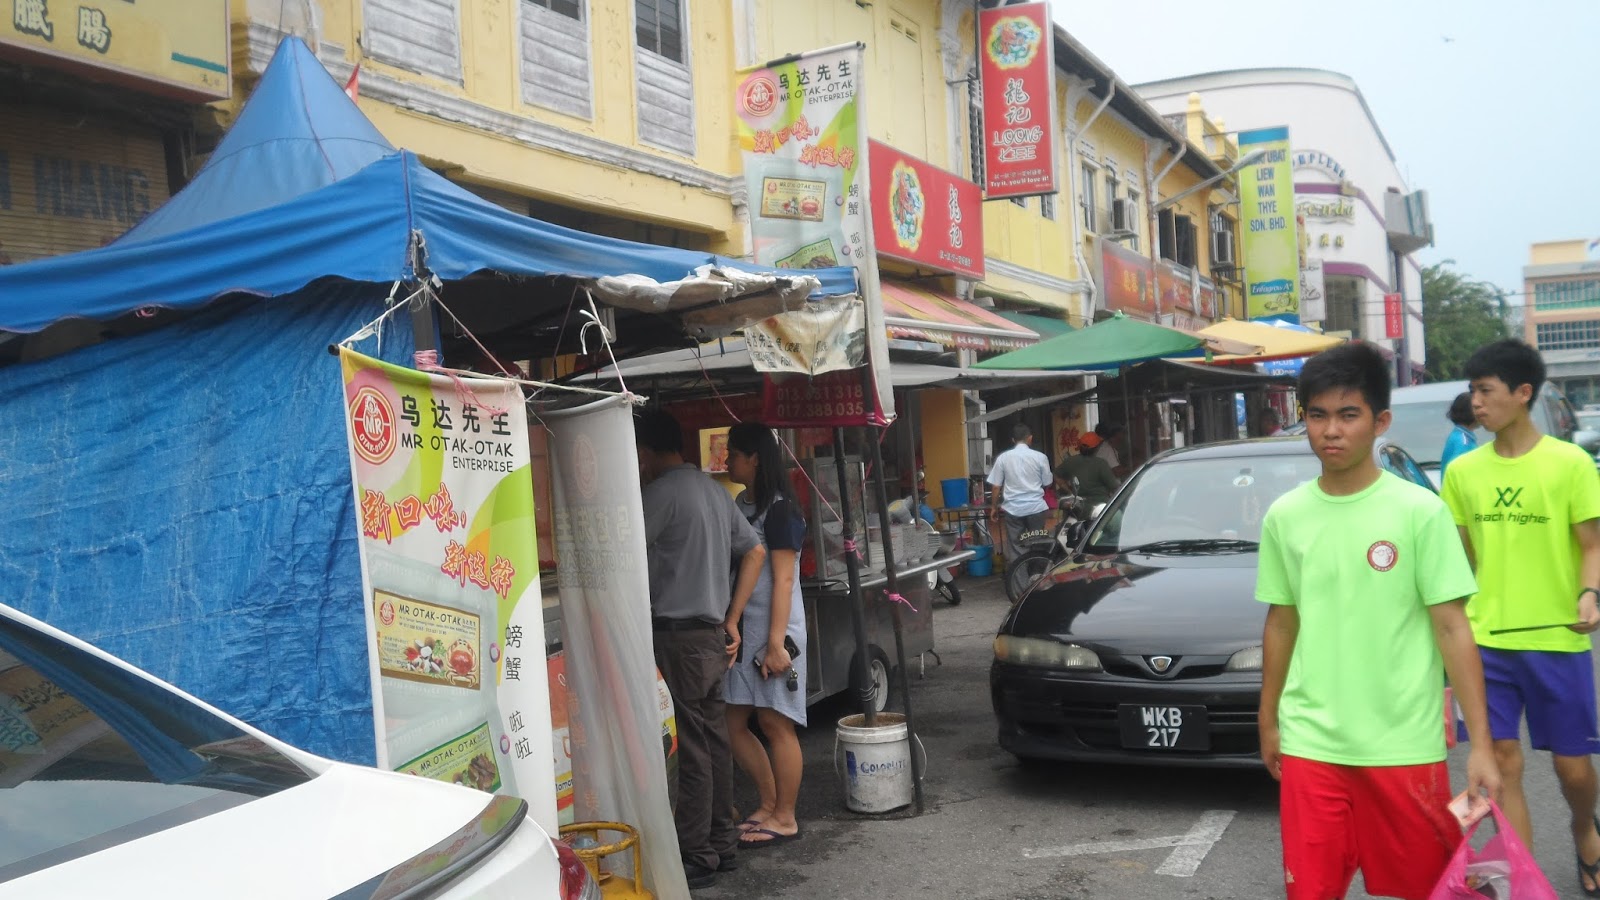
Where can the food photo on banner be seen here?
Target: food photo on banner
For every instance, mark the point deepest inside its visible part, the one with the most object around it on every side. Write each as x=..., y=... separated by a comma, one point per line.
x=1271, y=242
x=450, y=572
x=1016, y=72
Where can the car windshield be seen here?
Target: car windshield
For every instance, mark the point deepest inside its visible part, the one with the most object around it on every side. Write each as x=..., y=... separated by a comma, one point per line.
x=1199, y=500
x=1422, y=427
x=92, y=755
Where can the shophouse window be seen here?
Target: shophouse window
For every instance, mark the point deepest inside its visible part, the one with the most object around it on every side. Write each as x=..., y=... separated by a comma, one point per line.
x=418, y=35
x=1344, y=303
x=1568, y=335
x=666, y=90
x=1090, y=175
x=572, y=9
x=659, y=27
x=555, y=57
x=1113, y=190
x=1135, y=218
x=1047, y=206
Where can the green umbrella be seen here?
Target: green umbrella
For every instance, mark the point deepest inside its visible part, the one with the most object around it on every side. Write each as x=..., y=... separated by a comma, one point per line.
x=1113, y=343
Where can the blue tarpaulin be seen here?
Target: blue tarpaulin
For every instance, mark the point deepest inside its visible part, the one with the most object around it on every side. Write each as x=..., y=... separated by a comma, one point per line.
x=182, y=499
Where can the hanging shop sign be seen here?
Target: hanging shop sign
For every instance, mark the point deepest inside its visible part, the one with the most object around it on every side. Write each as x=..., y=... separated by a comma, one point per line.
x=823, y=336
x=1271, y=242
x=925, y=215
x=177, y=48
x=450, y=576
x=70, y=183
x=834, y=399
x=1016, y=72
x=1177, y=286
x=1126, y=281
x=1394, y=316
x=804, y=149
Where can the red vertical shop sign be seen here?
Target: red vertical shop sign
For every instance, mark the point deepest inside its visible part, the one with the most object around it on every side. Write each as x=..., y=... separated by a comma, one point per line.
x=1017, y=73
x=1394, y=316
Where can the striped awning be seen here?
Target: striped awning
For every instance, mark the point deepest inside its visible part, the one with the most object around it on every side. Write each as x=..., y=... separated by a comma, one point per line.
x=923, y=314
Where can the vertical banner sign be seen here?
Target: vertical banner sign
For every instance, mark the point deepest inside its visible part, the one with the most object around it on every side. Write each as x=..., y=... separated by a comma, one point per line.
x=803, y=142
x=1016, y=71
x=450, y=571
x=1271, y=246
x=923, y=214
x=1394, y=316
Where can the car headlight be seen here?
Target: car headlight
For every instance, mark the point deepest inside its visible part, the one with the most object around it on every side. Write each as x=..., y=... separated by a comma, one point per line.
x=1246, y=660
x=1045, y=654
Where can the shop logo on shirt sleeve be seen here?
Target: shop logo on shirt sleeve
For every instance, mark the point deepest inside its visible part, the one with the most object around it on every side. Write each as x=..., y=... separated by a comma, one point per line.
x=1382, y=556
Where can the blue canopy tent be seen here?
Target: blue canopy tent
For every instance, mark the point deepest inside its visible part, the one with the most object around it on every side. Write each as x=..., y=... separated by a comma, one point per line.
x=181, y=495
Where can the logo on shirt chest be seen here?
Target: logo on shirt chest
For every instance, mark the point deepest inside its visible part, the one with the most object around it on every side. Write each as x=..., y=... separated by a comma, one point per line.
x=1382, y=556
x=1510, y=498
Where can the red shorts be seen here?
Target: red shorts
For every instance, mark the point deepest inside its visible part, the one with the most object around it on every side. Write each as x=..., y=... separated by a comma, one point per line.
x=1391, y=822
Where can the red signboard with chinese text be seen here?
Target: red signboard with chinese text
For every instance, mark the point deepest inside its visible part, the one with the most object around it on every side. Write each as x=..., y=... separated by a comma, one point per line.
x=1126, y=280
x=836, y=398
x=1394, y=315
x=1016, y=68
x=923, y=214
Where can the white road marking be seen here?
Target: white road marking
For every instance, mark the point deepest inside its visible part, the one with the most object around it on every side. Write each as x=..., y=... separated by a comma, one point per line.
x=1183, y=862
x=1190, y=849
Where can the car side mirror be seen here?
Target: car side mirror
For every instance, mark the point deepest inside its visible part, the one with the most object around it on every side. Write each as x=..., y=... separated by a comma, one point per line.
x=1588, y=440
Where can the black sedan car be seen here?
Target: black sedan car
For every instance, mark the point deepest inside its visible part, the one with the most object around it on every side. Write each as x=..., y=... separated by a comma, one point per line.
x=1145, y=647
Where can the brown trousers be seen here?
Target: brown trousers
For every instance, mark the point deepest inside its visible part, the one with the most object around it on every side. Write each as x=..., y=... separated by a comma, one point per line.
x=692, y=664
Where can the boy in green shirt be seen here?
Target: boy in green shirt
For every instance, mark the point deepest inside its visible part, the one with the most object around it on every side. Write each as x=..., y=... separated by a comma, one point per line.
x=1367, y=582
x=1528, y=509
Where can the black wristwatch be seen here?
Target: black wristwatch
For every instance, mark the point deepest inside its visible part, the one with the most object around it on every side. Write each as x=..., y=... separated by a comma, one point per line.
x=1594, y=591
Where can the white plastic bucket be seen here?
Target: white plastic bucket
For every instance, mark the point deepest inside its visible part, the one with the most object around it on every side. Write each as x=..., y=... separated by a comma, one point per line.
x=876, y=763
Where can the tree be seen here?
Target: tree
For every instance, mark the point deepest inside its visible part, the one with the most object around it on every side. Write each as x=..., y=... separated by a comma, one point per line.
x=1460, y=314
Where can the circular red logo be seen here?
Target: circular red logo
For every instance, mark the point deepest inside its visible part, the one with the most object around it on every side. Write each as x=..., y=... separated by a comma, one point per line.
x=386, y=612
x=759, y=96
x=1382, y=556
x=372, y=424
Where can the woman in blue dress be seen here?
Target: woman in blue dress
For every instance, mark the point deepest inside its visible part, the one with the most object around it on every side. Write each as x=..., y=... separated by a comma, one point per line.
x=766, y=681
x=1461, y=437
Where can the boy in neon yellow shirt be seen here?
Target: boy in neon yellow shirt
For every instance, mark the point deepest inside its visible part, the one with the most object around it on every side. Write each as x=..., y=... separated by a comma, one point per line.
x=1367, y=581
x=1528, y=509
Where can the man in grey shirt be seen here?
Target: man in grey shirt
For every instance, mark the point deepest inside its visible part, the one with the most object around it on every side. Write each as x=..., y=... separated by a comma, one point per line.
x=693, y=532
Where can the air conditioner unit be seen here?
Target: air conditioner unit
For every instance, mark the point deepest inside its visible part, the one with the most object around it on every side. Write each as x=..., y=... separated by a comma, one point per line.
x=1123, y=215
x=1222, y=248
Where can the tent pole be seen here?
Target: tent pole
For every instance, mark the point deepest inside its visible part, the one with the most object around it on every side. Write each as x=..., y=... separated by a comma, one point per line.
x=852, y=567
x=892, y=590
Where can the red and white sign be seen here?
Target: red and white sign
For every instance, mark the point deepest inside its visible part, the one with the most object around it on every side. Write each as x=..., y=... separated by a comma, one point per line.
x=923, y=214
x=1016, y=68
x=1394, y=316
x=834, y=398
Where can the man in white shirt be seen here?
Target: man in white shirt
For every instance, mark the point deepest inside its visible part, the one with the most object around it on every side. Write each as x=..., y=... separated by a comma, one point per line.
x=1019, y=478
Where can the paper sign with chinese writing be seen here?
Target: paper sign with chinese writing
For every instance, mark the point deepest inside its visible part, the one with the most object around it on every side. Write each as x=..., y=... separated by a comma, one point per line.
x=923, y=214
x=1271, y=242
x=822, y=336
x=1016, y=68
x=444, y=506
x=177, y=48
x=804, y=150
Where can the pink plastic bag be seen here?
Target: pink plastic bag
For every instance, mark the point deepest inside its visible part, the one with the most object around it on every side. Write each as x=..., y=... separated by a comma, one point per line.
x=1503, y=869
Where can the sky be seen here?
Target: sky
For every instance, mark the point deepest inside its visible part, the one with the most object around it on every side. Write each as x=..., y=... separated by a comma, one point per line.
x=1500, y=123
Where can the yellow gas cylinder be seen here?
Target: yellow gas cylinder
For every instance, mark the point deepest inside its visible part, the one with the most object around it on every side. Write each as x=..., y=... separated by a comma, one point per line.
x=613, y=887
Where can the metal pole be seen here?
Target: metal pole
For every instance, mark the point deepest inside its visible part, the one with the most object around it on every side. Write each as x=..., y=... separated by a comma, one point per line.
x=852, y=567
x=891, y=588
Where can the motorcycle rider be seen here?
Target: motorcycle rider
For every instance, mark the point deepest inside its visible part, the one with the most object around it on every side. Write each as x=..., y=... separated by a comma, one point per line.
x=1096, y=482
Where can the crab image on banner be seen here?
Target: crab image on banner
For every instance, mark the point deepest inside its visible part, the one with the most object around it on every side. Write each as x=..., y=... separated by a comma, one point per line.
x=450, y=578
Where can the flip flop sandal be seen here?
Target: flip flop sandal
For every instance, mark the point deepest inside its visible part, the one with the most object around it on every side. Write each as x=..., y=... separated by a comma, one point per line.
x=773, y=839
x=1590, y=869
x=748, y=824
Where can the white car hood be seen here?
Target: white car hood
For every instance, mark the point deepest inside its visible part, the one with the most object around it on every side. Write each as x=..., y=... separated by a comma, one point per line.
x=316, y=840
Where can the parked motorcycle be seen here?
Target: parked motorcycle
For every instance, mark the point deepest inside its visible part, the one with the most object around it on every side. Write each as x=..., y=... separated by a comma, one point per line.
x=1043, y=549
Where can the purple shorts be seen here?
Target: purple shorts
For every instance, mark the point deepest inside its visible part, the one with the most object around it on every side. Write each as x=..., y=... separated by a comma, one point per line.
x=1555, y=689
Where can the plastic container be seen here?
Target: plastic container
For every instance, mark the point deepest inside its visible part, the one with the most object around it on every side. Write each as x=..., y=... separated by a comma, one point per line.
x=982, y=562
x=957, y=492
x=876, y=768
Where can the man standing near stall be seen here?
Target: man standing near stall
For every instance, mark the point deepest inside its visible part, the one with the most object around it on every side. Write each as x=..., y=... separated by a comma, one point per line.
x=693, y=532
x=1019, y=477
